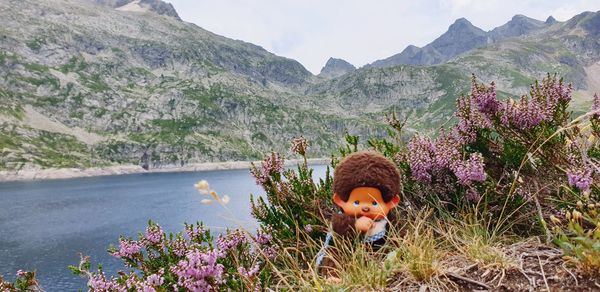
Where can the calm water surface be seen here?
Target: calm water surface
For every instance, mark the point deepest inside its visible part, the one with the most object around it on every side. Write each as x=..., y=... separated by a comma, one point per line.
x=44, y=225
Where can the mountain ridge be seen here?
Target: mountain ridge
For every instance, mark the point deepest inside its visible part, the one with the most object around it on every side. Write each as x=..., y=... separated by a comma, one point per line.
x=462, y=36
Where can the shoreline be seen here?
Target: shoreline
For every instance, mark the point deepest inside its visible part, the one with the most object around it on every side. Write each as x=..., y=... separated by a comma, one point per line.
x=67, y=173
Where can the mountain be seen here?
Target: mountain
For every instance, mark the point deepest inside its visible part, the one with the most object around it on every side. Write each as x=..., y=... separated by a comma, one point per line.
x=462, y=36
x=426, y=94
x=86, y=85
x=156, y=6
x=83, y=84
x=517, y=26
x=335, y=68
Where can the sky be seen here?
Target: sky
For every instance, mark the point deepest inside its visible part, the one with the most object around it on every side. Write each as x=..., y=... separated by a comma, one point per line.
x=358, y=31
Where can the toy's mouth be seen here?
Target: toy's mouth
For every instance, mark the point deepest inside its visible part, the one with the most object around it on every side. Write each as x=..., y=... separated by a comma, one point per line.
x=371, y=215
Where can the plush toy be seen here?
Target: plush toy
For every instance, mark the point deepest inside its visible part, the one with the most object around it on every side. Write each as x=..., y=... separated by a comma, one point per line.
x=366, y=187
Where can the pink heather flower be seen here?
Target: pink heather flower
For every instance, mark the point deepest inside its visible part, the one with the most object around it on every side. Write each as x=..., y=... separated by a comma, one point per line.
x=446, y=149
x=199, y=271
x=98, y=282
x=127, y=248
x=263, y=238
x=581, y=179
x=471, y=170
x=179, y=247
x=540, y=106
x=271, y=165
x=248, y=274
x=21, y=273
x=194, y=231
x=485, y=98
x=232, y=240
x=524, y=115
x=308, y=228
x=155, y=279
x=470, y=119
x=270, y=252
x=154, y=234
x=421, y=159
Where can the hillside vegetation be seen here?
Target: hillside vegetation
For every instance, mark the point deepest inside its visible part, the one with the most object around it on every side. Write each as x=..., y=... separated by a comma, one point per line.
x=114, y=86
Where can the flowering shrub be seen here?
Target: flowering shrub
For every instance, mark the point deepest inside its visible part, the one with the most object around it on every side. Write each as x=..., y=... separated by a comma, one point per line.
x=190, y=262
x=25, y=281
x=509, y=155
x=294, y=203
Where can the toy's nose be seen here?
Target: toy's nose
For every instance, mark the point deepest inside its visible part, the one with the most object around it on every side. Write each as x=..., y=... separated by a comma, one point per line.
x=366, y=209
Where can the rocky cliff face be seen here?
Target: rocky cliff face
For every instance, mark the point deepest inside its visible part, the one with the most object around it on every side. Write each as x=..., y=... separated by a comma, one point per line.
x=336, y=68
x=88, y=85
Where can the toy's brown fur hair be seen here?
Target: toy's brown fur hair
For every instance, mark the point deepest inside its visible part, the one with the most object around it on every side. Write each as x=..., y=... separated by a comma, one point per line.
x=366, y=169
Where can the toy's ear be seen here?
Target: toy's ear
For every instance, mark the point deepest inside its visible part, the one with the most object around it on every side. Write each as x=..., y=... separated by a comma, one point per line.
x=394, y=201
x=338, y=201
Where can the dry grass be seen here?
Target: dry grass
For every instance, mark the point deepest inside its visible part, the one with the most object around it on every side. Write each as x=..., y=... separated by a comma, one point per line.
x=434, y=253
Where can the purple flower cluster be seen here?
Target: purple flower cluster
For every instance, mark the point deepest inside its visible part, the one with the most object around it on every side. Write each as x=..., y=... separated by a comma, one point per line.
x=179, y=246
x=470, y=118
x=446, y=149
x=154, y=234
x=98, y=282
x=484, y=97
x=199, y=271
x=128, y=248
x=156, y=279
x=541, y=105
x=249, y=273
x=232, y=240
x=523, y=115
x=471, y=170
x=173, y=263
x=263, y=238
x=421, y=159
x=580, y=178
x=194, y=231
x=271, y=165
x=428, y=158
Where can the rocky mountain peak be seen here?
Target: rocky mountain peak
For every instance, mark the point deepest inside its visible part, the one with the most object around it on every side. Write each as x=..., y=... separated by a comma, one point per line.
x=517, y=26
x=551, y=20
x=461, y=24
x=459, y=29
x=157, y=6
x=335, y=68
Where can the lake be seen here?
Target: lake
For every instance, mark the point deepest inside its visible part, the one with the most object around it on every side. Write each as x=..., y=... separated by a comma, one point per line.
x=44, y=225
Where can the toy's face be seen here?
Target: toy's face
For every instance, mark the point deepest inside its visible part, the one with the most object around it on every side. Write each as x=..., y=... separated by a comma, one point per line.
x=366, y=201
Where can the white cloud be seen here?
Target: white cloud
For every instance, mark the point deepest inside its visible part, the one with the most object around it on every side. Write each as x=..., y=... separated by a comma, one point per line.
x=360, y=32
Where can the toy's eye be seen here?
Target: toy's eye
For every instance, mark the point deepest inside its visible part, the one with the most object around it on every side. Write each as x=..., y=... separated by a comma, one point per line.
x=356, y=203
x=375, y=203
